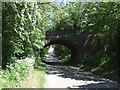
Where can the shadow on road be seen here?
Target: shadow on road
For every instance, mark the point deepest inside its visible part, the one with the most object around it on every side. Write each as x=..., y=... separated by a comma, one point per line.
x=98, y=86
x=53, y=63
x=67, y=71
x=88, y=80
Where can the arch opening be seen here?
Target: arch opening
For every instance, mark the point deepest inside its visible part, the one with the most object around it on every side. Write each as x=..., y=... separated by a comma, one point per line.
x=58, y=53
x=74, y=51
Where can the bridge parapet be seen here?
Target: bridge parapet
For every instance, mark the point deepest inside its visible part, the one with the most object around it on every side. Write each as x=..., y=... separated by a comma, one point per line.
x=58, y=37
x=62, y=35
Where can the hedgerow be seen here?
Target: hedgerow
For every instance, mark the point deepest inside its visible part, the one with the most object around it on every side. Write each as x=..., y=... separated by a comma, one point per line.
x=23, y=35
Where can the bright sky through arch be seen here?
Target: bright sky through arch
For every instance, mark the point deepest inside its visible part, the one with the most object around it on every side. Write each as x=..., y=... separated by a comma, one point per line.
x=51, y=49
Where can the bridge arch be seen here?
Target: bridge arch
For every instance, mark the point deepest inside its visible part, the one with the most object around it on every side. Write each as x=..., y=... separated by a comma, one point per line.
x=81, y=45
x=75, y=50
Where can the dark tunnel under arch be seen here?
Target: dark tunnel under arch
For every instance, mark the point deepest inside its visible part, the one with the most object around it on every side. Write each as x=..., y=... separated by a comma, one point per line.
x=75, y=50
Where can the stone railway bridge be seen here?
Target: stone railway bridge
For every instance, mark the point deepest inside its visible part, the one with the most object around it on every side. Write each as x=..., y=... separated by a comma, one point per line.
x=81, y=45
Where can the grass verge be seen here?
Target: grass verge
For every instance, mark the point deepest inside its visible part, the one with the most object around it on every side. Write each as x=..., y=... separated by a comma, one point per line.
x=36, y=79
x=42, y=77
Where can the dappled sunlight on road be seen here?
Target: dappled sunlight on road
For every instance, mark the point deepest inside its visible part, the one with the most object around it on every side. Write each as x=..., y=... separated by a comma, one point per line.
x=65, y=76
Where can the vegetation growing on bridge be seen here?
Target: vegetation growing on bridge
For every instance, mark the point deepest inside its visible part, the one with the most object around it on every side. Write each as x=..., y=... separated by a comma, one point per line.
x=102, y=20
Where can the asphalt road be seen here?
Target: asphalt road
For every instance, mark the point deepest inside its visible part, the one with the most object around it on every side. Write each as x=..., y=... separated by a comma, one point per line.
x=59, y=75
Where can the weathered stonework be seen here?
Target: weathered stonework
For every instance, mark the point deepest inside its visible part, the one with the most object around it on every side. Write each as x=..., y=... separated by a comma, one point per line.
x=81, y=45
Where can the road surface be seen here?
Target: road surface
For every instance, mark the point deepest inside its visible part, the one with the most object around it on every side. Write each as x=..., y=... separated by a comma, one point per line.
x=65, y=76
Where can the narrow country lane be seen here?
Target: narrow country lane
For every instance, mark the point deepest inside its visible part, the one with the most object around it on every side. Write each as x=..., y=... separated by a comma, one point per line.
x=59, y=75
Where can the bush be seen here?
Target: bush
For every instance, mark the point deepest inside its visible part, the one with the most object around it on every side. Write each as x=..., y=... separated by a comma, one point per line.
x=15, y=72
x=23, y=30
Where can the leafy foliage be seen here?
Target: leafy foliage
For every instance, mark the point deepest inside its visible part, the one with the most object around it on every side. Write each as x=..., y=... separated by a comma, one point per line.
x=15, y=73
x=23, y=35
x=24, y=26
x=63, y=53
x=101, y=19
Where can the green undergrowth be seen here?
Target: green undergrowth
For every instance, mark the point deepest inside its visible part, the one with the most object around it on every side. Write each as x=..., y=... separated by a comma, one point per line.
x=15, y=73
x=104, y=64
x=41, y=68
x=106, y=73
x=42, y=78
x=63, y=53
x=38, y=79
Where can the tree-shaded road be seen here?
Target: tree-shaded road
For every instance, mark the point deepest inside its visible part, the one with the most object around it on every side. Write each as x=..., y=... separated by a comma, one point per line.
x=65, y=76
